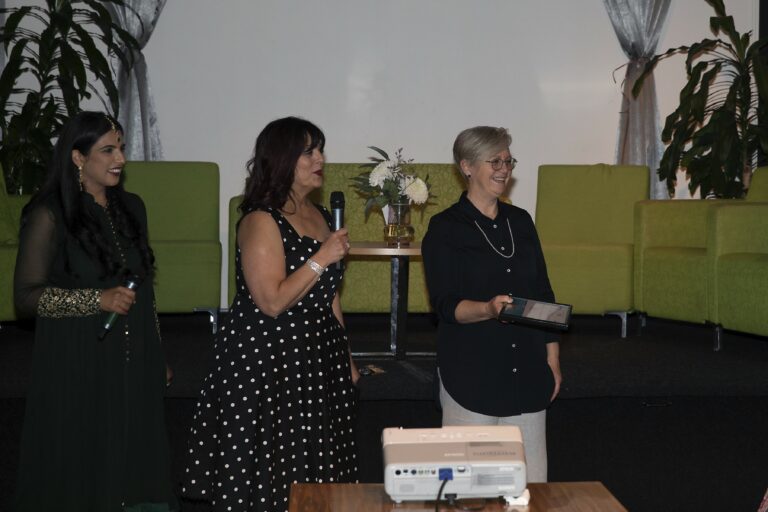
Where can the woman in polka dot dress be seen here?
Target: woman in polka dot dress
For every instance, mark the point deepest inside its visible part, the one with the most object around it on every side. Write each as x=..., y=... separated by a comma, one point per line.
x=279, y=404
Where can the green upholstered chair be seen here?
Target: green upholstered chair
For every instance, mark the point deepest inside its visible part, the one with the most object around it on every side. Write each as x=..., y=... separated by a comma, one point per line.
x=738, y=244
x=182, y=200
x=366, y=286
x=10, y=211
x=584, y=217
x=671, y=267
x=758, y=188
x=234, y=216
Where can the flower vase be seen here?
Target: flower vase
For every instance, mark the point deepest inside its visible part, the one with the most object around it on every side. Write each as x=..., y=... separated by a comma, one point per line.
x=398, y=231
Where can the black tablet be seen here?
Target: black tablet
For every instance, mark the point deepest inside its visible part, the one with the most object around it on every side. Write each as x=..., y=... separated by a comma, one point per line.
x=537, y=313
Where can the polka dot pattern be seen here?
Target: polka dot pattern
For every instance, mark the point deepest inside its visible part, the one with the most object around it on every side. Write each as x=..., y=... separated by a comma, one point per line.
x=279, y=405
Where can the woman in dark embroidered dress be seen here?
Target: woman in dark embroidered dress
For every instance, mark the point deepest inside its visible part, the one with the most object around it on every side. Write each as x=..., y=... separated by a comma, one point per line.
x=278, y=406
x=94, y=434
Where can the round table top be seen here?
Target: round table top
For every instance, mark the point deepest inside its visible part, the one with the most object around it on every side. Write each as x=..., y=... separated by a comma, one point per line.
x=382, y=249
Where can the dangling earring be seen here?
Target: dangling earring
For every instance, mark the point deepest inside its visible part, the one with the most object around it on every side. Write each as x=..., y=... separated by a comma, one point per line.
x=80, y=176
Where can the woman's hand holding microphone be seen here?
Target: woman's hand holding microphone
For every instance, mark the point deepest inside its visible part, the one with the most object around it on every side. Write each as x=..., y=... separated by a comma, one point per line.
x=334, y=249
x=117, y=300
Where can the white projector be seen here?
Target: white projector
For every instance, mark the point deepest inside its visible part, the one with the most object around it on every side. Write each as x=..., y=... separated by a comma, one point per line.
x=478, y=462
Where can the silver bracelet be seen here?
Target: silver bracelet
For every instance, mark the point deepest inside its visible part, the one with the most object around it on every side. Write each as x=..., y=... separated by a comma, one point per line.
x=315, y=266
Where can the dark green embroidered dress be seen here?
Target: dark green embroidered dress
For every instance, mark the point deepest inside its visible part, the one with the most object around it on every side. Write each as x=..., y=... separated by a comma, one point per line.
x=94, y=435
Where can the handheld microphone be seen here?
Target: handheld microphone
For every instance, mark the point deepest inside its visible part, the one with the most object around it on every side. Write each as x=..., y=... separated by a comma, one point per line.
x=131, y=282
x=337, y=211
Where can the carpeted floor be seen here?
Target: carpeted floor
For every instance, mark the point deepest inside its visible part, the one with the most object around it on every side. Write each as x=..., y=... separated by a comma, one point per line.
x=661, y=419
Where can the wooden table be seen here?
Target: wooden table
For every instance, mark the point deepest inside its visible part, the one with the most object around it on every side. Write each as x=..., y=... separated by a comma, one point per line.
x=400, y=257
x=559, y=496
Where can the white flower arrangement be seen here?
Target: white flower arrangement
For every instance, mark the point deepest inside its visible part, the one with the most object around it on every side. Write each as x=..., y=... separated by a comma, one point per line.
x=387, y=182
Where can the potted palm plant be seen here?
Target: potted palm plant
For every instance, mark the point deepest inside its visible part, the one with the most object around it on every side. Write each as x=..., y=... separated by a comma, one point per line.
x=57, y=57
x=719, y=125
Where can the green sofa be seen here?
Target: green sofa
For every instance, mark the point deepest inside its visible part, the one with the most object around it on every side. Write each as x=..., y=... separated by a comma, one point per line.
x=182, y=200
x=676, y=248
x=366, y=286
x=585, y=222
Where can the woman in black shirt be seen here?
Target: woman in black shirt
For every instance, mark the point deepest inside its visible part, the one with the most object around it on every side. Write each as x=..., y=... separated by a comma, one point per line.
x=477, y=253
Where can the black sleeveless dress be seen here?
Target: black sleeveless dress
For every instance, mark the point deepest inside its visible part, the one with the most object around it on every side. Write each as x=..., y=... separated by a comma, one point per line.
x=278, y=405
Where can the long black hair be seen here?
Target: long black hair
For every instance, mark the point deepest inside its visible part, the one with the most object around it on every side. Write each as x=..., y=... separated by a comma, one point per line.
x=271, y=168
x=62, y=188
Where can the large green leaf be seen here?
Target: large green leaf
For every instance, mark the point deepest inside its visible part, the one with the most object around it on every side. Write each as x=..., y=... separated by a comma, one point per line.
x=9, y=29
x=726, y=25
x=718, y=6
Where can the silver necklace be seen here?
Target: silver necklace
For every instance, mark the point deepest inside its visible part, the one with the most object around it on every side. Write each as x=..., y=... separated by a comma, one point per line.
x=494, y=247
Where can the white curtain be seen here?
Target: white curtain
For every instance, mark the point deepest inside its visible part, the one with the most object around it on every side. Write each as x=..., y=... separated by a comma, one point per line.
x=638, y=25
x=137, y=107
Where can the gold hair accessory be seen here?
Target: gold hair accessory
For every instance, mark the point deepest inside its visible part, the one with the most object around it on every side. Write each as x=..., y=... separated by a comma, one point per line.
x=111, y=123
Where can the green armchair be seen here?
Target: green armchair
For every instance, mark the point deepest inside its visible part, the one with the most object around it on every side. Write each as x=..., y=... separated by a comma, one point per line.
x=10, y=211
x=584, y=217
x=182, y=200
x=758, y=189
x=671, y=265
x=366, y=286
x=738, y=243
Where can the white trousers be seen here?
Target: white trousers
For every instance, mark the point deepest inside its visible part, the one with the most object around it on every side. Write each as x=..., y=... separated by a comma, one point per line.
x=532, y=425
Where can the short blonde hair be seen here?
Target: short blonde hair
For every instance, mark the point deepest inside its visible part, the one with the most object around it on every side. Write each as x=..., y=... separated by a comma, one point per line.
x=480, y=142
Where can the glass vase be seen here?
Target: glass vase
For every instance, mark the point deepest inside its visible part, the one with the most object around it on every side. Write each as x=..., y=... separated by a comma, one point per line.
x=398, y=231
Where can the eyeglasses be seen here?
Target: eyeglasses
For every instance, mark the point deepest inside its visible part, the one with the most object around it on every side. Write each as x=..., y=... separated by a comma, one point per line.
x=496, y=163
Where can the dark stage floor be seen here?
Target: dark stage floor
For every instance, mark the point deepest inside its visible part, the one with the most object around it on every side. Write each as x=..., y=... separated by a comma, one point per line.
x=661, y=419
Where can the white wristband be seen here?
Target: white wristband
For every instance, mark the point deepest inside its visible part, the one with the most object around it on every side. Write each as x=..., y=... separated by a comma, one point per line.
x=316, y=267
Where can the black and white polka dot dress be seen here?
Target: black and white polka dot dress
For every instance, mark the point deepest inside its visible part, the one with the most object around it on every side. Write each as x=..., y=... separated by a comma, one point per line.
x=279, y=405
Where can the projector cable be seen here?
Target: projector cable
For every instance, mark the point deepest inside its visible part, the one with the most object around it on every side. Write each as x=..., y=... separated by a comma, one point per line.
x=443, y=474
x=439, y=495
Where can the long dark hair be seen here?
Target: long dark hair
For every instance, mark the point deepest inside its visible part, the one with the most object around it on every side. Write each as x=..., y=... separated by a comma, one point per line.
x=62, y=189
x=271, y=168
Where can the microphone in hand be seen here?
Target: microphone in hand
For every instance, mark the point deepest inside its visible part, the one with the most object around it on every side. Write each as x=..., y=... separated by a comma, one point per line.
x=337, y=212
x=131, y=282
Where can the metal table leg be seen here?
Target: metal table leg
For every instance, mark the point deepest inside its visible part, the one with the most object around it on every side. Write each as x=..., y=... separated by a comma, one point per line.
x=399, y=306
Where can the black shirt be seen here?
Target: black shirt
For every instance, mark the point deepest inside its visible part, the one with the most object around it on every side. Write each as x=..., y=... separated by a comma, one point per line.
x=489, y=367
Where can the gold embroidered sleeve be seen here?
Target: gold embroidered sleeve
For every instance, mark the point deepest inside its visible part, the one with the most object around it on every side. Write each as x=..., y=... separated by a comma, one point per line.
x=60, y=302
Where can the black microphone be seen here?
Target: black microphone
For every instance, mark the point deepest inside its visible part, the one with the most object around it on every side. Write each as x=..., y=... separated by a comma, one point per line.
x=337, y=211
x=131, y=282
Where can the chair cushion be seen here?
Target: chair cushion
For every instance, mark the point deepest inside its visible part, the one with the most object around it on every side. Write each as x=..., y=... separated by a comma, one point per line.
x=741, y=295
x=594, y=278
x=589, y=203
x=7, y=264
x=182, y=198
x=675, y=283
x=188, y=275
x=9, y=228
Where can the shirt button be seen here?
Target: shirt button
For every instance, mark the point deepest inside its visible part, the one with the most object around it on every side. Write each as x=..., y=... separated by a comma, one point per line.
x=494, y=226
x=514, y=345
x=509, y=270
x=514, y=370
x=502, y=248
